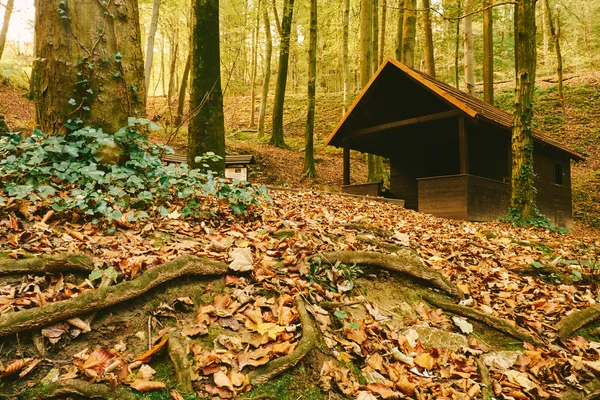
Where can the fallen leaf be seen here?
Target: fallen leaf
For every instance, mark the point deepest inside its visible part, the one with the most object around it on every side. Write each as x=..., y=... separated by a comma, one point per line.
x=146, y=386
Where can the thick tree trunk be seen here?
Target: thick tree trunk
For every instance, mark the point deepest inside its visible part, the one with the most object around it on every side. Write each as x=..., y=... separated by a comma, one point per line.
x=429, y=50
x=488, y=53
x=366, y=49
x=150, y=45
x=469, y=56
x=345, y=56
x=555, y=31
x=284, y=56
x=400, y=31
x=267, y=77
x=4, y=32
x=375, y=36
x=183, y=89
x=523, y=207
x=409, y=33
x=90, y=68
x=309, y=169
x=207, y=125
x=383, y=33
x=254, y=67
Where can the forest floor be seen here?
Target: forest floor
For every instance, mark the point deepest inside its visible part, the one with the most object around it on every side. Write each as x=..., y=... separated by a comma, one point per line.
x=345, y=298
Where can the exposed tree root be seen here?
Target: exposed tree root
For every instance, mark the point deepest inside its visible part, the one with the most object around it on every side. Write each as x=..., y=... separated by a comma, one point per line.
x=530, y=270
x=183, y=369
x=577, y=319
x=404, y=262
x=47, y=264
x=486, y=391
x=493, y=322
x=591, y=391
x=307, y=343
x=102, y=298
x=85, y=389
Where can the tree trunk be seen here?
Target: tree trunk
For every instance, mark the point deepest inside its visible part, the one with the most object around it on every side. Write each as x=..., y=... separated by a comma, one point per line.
x=523, y=207
x=207, y=125
x=150, y=46
x=399, y=31
x=267, y=78
x=546, y=41
x=7, y=13
x=555, y=31
x=409, y=33
x=309, y=169
x=284, y=56
x=429, y=50
x=172, y=74
x=183, y=90
x=375, y=37
x=162, y=67
x=488, y=54
x=277, y=22
x=383, y=28
x=469, y=56
x=457, y=47
x=86, y=75
x=345, y=57
x=254, y=67
x=366, y=48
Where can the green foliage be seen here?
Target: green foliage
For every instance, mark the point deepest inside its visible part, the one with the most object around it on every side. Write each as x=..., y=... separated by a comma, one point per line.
x=337, y=278
x=116, y=176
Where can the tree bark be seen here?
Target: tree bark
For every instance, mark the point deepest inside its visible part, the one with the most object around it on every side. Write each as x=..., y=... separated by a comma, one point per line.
x=457, y=47
x=4, y=32
x=555, y=32
x=172, y=74
x=90, y=67
x=383, y=33
x=183, y=89
x=309, y=169
x=207, y=125
x=375, y=37
x=150, y=45
x=409, y=33
x=429, y=48
x=523, y=207
x=546, y=36
x=488, y=54
x=254, y=67
x=345, y=57
x=469, y=56
x=399, y=31
x=284, y=57
x=267, y=77
x=366, y=49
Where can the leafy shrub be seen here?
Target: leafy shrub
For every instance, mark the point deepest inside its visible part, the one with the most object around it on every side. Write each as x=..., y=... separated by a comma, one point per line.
x=115, y=176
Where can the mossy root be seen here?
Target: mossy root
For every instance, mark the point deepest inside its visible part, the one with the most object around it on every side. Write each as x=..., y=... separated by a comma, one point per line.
x=84, y=389
x=47, y=264
x=109, y=296
x=577, y=319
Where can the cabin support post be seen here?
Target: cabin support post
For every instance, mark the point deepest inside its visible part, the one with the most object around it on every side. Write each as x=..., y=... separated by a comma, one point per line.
x=346, y=162
x=463, y=145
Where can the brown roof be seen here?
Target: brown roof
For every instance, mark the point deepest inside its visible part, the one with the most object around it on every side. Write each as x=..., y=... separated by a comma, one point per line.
x=470, y=105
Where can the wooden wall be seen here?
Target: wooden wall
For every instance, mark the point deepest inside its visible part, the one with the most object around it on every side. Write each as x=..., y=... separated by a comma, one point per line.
x=487, y=199
x=554, y=201
x=444, y=197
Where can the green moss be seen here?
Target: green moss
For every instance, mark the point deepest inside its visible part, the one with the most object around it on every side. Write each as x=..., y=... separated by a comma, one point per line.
x=291, y=385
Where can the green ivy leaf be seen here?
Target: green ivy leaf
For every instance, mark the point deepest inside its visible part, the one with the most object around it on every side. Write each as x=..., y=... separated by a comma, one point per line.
x=340, y=314
x=95, y=274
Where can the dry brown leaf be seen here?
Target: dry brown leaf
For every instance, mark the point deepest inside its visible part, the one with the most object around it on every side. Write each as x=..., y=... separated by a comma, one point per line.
x=146, y=386
x=222, y=380
x=154, y=349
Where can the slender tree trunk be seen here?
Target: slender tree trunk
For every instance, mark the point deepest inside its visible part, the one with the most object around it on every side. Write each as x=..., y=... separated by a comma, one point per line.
x=375, y=36
x=162, y=67
x=555, y=31
x=488, y=54
x=457, y=47
x=409, y=33
x=172, y=75
x=400, y=31
x=254, y=67
x=207, y=125
x=309, y=169
x=267, y=77
x=87, y=76
x=276, y=15
x=429, y=48
x=150, y=45
x=7, y=14
x=366, y=48
x=284, y=56
x=183, y=90
x=469, y=55
x=523, y=206
x=345, y=50
x=383, y=32
x=546, y=41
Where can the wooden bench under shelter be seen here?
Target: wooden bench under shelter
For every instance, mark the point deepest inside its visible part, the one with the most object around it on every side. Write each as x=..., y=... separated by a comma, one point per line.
x=236, y=166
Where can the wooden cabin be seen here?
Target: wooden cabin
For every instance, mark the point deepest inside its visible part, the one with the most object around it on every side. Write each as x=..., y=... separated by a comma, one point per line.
x=449, y=152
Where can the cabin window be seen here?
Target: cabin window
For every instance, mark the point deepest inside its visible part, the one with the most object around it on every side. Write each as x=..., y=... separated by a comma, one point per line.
x=558, y=174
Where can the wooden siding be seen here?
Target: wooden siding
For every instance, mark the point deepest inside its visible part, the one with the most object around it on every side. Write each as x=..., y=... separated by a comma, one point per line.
x=554, y=201
x=487, y=199
x=366, y=189
x=444, y=196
